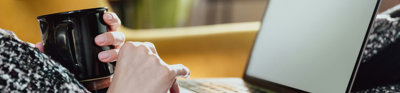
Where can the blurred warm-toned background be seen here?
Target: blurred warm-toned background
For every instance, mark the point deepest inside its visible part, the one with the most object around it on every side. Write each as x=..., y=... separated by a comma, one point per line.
x=211, y=37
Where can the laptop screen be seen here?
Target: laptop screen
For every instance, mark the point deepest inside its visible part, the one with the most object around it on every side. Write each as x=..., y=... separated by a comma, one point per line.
x=310, y=45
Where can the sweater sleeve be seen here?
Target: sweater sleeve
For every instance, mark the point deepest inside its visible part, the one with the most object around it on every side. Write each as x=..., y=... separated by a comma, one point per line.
x=379, y=68
x=25, y=69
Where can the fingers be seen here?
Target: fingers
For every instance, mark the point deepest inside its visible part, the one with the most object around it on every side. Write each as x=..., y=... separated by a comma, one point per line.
x=108, y=55
x=151, y=46
x=112, y=20
x=110, y=38
x=174, y=88
x=39, y=46
x=179, y=70
x=135, y=51
x=144, y=48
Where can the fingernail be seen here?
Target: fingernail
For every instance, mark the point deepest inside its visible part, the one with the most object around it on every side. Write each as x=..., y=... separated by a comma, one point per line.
x=104, y=55
x=108, y=16
x=101, y=39
x=187, y=73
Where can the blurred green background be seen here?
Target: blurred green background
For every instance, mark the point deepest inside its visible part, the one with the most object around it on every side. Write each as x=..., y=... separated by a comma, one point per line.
x=142, y=14
x=146, y=14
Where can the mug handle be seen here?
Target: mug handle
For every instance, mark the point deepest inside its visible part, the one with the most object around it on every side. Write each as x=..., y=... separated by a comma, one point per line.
x=64, y=39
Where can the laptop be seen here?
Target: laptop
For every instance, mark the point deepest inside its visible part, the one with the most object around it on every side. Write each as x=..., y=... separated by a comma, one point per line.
x=302, y=46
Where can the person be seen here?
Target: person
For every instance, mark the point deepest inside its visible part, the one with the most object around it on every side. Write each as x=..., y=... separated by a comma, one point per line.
x=379, y=66
x=139, y=68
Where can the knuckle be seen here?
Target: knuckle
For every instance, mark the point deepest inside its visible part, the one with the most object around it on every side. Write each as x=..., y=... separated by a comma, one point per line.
x=114, y=52
x=128, y=45
x=118, y=37
x=110, y=36
x=154, y=59
x=140, y=45
x=122, y=35
x=171, y=71
x=151, y=45
x=117, y=18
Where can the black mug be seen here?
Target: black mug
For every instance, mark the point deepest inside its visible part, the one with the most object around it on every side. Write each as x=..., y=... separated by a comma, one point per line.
x=68, y=38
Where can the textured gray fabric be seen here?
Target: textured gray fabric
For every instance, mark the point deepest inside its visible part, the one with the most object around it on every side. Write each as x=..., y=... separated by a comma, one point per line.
x=25, y=69
x=380, y=67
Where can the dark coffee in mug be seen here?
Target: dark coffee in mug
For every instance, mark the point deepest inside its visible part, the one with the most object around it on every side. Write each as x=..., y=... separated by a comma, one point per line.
x=68, y=38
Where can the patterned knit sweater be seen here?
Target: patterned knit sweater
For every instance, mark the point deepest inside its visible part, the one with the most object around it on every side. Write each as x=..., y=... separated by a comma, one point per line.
x=25, y=69
x=380, y=66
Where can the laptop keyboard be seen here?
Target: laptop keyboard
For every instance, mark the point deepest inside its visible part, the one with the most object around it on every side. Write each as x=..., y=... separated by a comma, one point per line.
x=223, y=85
x=255, y=90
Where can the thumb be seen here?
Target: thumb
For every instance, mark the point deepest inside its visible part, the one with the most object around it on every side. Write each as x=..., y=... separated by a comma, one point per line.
x=174, y=88
x=39, y=46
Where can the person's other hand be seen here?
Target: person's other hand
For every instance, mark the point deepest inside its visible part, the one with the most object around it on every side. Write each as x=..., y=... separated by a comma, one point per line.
x=139, y=69
x=112, y=37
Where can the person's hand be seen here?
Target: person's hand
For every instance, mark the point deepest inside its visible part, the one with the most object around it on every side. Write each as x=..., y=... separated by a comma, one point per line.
x=112, y=37
x=139, y=69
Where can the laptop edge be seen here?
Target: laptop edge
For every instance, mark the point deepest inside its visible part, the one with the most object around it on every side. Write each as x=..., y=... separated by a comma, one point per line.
x=286, y=89
x=354, y=73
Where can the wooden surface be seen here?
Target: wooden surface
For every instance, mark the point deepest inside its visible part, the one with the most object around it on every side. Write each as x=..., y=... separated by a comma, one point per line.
x=208, y=51
x=213, y=85
x=386, y=4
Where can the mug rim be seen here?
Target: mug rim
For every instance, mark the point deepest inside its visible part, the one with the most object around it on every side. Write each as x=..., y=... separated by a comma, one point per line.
x=73, y=11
